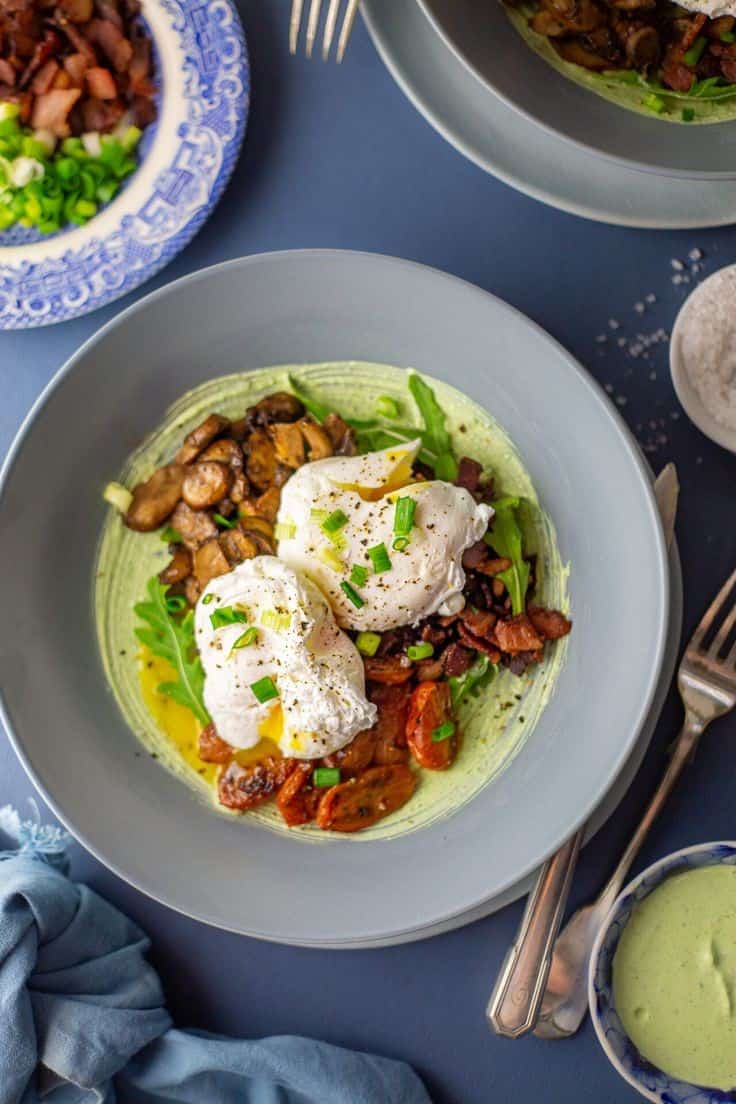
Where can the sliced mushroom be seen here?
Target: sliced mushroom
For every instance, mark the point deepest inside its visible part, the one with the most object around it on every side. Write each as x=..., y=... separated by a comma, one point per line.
x=195, y=526
x=573, y=50
x=267, y=504
x=226, y=507
x=318, y=441
x=580, y=16
x=341, y=435
x=278, y=407
x=240, y=429
x=260, y=531
x=289, y=443
x=179, y=568
x=260, y=464
x=225, y=451
x=548, y=24
x=240, y=488
x=281, y=475
x=642, y=48
x=213, y=426
x=192, y=590
x=237, y=546
x=209, y=562
x=154, y=500
x=205, y=483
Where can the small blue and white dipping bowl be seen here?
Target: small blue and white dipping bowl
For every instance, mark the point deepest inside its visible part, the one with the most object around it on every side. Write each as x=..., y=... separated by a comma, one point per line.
x=651, y=1082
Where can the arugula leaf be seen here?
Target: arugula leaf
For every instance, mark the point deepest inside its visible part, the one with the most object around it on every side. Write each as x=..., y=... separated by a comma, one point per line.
x=506, y=538
x=461, y=685
x=436, y=437
x=173, y=640
x=316, y=408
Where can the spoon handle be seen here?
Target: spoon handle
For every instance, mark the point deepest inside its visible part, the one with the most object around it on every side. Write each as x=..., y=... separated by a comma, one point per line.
x=517, y=995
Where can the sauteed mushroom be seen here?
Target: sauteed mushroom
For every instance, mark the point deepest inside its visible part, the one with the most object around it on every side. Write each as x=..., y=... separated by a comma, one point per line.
x=155, y=499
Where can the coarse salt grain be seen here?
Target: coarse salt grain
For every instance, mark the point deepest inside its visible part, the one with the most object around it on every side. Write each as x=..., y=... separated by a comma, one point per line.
x=706, y=344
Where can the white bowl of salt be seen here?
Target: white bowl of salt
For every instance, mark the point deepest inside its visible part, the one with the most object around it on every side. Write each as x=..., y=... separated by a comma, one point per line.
x=703, y=357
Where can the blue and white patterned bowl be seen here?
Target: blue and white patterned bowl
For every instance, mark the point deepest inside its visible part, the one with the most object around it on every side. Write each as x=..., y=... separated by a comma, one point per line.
x=651, y=1082
x=187, y=159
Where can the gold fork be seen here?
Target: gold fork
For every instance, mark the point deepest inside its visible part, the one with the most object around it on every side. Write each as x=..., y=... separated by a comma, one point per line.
x=707, y=684
x=351, y=10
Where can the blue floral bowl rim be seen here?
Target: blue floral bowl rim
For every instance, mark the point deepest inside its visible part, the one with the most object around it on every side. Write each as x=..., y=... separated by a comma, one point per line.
x=656, y=868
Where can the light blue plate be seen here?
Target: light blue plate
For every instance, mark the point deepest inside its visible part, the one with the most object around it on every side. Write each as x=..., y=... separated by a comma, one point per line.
x=187, y=158
x=651, y=1082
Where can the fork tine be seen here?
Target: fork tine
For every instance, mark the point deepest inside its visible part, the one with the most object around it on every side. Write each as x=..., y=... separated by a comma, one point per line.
x=712, y=612
x=296, y=18
x=723, y=634
x=330, y=24
x=347, y=26
x=312, y=25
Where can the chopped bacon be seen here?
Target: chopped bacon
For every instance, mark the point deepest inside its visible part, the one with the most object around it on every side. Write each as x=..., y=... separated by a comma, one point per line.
x=76, y=66
x=469, y=473
x=495, y=566
x=517, y=635
x=101, y=115
x=113, y=43
x=456, y=660
x=100, y=83
x=478, y=622
x=479, y=643
x=212, y=749
x=389, y=669
x=44, y=78
x=51, y=110
x=474, y=556
x=550, y=624
x=7, y=73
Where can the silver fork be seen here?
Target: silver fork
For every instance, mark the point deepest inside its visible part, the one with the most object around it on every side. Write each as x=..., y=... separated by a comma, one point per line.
x=351, y=10
x=707, y=684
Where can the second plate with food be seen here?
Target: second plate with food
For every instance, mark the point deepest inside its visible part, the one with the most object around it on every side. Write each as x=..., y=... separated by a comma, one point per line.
x=329, y=321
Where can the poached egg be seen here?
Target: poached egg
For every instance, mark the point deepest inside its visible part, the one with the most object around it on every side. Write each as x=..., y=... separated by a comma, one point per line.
x=337, y=514
x=266, y=625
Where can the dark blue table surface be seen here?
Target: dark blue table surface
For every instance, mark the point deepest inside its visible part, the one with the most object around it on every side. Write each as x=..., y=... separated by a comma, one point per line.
x=337, y=157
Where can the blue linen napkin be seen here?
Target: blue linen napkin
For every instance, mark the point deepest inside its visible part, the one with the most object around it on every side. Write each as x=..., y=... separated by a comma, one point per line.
x=82, y=1016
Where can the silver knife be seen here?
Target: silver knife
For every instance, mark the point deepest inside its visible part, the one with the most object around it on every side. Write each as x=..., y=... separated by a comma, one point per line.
x=516, y=1000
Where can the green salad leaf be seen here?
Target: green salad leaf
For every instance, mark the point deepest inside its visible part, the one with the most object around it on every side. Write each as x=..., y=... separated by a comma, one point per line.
x=507, y=539
x=172, y=638
x=317, y=409
x=436, y=437
x=482, y=671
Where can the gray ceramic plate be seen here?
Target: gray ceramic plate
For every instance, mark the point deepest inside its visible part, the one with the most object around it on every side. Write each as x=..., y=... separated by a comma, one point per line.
x=482, y=35
x=313, y=306
x=469, y=115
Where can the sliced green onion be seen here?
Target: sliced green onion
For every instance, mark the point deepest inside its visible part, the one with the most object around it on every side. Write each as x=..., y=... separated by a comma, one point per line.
x=117, y=495
x=9, y=111
x=330, y=558
x=379, y=558
x=654, y=103
x=175, y=604
x=727, y=37
x=386, y=407
x=367, y=643
x=207, y=599
x=334, y=522
x=285, y=530
x=443, y=732
x=404, y=515
x=131, y=138
x=171, y=536
x=273, y=619
x=264, y=689
x=227, y=615
x=352, y=595
x=323, y=777
x=320, y=516
x=688, y=114
x=359, y=575
x=225, y=523
x=692, y=56
x=245, y=639
x=420, y=651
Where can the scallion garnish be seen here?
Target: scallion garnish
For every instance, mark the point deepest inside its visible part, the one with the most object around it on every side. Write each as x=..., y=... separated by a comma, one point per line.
x=324, y=777
x=175, y=604
x=654, y=103
x=330, y=557
x=400, y=543
x=118, y=496
x=386, y=407
x=403, y=521
x=367, y=643
x=443, y=732
x=225, y=523
x=352, y=595
x=420, y=651
x=692, y=56
x=245, y=639
x=359, y=575
x=285, y=530
x=688, y=114
x=379, y=558
x=727, y=37
x=171, y=536
x=334, y=522
x=226, y=615
x=207, y=599
x=273, y=619
x=265, y=689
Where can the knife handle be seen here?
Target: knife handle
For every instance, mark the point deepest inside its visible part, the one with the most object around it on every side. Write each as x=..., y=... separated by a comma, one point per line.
x=517, y=995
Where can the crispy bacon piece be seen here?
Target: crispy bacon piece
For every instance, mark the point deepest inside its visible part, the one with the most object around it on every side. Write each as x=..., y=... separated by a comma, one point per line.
x=430, y=706
x=478, y=622
x=456, y=660
x=243, y=788
x=76, y=66
x=113, y=43
x=469, y=473
x=474, y=556
x=298, y=799
x=362, y=801
x=479, y=643
x=356, y=756
x=389, y=730
x=44, y=78
x=387, y=669
x=100, y=83
x=550, y=624
x=212, y=749
x=51, y=110
x=518, y=635
x=495, y=566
